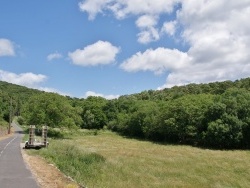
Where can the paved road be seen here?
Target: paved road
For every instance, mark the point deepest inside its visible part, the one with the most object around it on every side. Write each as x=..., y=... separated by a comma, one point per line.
x=13, y=171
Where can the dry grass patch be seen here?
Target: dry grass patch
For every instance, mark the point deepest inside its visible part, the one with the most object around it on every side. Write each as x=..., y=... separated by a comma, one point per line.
x=4, y=133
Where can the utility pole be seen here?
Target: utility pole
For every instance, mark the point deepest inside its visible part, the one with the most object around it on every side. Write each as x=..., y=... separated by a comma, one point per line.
x=10, y=115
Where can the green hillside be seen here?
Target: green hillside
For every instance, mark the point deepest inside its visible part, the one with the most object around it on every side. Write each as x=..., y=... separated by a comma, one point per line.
x=209, y=115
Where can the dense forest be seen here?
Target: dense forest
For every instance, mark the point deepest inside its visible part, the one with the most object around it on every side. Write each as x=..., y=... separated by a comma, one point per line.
x=214, y=115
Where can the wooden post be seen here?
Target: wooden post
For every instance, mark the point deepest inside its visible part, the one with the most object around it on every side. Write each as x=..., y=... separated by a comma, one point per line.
x=44, y=135
x=10, y=116
x=32, y=134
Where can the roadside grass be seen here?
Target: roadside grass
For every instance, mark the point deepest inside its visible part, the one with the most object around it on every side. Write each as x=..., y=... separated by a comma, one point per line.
x=3, y=124
x=105, y=159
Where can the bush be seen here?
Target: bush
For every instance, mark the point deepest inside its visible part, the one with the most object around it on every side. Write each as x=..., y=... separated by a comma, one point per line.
x=224, y=133
x=20, y=120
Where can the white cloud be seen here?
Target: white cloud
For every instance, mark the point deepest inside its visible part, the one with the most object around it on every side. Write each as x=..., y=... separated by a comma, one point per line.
x=92, y=93
x=25, y=79
x=216, y=33
x=99, y=53
x=158, y=61
x=123, y=8
x=218, y=36
x=148, y=33
x=53, y=56
x=146, y=21
x=93, y=7
x=147, y=11
x=6, y=48
x=169, y=28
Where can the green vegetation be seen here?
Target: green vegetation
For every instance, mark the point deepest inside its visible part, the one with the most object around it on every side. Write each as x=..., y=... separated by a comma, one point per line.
x=51, y=109
x=106, y=159
x=168, y=123
x=214, y=115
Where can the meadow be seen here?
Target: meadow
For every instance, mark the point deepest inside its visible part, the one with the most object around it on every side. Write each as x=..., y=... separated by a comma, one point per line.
x=105, y=159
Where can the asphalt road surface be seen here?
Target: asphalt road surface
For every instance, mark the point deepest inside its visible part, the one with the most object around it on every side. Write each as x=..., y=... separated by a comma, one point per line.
x=13, y=171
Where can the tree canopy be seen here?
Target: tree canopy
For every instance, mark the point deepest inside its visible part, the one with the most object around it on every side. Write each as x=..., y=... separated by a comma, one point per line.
x=213, y=115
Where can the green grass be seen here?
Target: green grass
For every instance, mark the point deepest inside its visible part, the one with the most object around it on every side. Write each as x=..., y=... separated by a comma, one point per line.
x=104, y=159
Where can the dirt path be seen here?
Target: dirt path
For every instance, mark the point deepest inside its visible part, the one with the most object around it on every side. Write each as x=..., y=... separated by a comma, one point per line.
x=47, y=175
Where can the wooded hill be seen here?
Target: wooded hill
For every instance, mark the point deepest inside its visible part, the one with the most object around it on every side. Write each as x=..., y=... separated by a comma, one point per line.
x=213, y=115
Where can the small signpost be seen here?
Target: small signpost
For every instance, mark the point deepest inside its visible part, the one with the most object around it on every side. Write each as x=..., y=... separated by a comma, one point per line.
x=31, y=143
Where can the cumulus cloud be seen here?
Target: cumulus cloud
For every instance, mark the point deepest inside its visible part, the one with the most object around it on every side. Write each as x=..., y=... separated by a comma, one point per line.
x=6, y=48
x=25, y=79
x=93, y=7
x=148, y=12
x=157, y=61
x=53, y=56
x=147, y=24
x=217, y=34
x=169, y=28
x=99, y=53
x=123, y=8
x=146, y=21
x=92, y=93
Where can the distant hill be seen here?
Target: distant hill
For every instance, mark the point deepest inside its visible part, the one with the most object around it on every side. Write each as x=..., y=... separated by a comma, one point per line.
x=212, y=115
x=17, y=90
x=214, y=88
x=23, y=93
x=15, y=95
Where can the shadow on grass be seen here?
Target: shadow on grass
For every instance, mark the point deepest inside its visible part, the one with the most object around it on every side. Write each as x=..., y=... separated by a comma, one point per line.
x=178, y=143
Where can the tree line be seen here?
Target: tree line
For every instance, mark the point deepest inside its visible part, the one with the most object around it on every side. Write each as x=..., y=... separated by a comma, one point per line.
x=215, y=115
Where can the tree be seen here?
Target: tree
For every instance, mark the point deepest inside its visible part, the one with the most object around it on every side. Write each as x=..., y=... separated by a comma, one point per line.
x=93, y=113
x=51, y=109
x=182, y=119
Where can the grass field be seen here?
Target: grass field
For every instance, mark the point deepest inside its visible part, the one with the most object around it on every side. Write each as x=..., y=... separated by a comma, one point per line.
x=109, y=160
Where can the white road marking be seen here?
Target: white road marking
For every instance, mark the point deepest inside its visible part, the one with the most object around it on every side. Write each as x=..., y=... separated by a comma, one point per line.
x=6, y=146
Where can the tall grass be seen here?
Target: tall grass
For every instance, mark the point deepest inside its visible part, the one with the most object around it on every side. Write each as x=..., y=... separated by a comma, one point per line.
x=76, y=163
x=109, y=160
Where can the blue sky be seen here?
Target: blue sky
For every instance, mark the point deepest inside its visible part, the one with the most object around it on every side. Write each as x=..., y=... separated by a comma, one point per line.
x=115, y=47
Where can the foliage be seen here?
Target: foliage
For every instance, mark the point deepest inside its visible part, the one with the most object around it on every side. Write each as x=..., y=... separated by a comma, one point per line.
x=51, y=109
x=213, y=115
x=93, y=115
